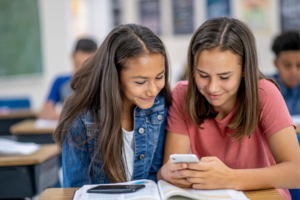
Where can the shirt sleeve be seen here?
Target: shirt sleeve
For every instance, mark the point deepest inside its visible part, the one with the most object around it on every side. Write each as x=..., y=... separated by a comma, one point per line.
x=176, y=122
x=75, y=156
x=54, y=93
x=274, y=115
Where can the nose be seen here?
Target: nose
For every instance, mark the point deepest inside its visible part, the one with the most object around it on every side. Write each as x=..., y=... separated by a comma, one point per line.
x=295, y=70
x=152, y=89
x=213, y=86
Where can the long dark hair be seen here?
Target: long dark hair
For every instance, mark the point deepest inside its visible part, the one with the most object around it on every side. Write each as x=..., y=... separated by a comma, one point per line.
x=226, y=34
x=97, y=88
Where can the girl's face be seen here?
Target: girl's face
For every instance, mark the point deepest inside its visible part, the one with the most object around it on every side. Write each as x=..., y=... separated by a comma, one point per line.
x=218, y=76
x=142, y=79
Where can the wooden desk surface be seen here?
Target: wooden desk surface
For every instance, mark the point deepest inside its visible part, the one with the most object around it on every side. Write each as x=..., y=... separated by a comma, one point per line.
x=27, y=127
x=13, y=114
x=67, y=194
x=47, y=151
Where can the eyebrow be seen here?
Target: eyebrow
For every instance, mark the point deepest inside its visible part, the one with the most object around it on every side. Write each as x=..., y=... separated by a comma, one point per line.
x=143, y=77
x=224, y=73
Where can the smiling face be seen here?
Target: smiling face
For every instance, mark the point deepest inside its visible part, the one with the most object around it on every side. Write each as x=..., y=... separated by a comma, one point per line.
x=142, y=80
x=218, y=76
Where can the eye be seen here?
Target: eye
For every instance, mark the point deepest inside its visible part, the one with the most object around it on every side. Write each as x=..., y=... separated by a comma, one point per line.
x=161, y=77
x=224, y=78
x=287, y=66
x=140, y=83
x=203, y=76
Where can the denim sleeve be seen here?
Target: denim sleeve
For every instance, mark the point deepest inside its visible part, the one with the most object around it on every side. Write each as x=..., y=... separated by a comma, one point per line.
x=159, y=153
x=75, y=156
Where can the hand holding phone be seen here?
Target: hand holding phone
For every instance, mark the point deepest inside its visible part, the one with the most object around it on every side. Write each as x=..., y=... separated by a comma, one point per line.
x=115, y=188
x=184, y=158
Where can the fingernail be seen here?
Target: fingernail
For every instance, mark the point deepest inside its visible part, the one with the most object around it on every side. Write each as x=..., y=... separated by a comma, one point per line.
x=184, y=165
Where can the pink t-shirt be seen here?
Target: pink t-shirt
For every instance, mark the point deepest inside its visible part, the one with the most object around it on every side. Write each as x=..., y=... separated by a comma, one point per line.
x=214, y=141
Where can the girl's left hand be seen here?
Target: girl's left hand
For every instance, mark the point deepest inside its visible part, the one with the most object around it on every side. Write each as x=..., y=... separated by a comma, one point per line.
x=210, y=173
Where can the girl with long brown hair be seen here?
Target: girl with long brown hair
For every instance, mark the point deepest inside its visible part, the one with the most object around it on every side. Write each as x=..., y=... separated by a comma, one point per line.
x=231, y=116
x=112, y=128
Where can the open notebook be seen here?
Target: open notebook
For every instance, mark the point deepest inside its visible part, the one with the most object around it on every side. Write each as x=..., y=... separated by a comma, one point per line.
x=160, y=191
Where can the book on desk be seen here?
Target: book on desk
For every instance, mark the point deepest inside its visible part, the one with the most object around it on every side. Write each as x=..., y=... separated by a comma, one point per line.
x=160, y=191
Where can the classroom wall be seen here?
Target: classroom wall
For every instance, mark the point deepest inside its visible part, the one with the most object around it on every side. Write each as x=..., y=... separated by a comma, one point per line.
x=58, y=39
x=177, y=45
x=56, y=58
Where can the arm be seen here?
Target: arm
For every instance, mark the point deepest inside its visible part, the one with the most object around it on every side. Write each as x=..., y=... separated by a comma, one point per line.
x=75, y=156
x=285, y=174
x=179, y=144
x=49, y=111
x=211, y=173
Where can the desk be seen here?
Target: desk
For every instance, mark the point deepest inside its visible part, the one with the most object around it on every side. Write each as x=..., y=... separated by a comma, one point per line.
x=14, y=116
x=27, y=175
x=25, y=131
x=67, y=194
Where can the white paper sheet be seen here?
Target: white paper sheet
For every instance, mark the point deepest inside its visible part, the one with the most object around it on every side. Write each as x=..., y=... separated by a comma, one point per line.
x=10, y=147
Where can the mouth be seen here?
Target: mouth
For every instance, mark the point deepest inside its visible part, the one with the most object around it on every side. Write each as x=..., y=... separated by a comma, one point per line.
x=148, y=99
x=214, y=96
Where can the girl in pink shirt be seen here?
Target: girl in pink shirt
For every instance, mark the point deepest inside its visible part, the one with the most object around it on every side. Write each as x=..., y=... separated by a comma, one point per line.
x=231, y=116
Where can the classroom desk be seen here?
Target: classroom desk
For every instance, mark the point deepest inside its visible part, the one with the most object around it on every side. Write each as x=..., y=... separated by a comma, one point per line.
x=25, y=131
x=14, y=116
x=67, y=194
x=27, y=175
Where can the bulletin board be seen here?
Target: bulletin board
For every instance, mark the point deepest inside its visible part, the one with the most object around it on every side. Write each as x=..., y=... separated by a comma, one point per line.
x=183, y=16
x=149, y=11
x=20, y=38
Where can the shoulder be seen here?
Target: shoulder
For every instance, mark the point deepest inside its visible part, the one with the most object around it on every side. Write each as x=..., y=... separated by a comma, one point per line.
x=270, y=95
x=180, y=91
x=267, y=89
x=181, y=86
x=83, y=119
x=62, y=79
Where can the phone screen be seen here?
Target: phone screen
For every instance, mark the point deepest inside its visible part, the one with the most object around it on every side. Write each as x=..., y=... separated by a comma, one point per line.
x=115, y=188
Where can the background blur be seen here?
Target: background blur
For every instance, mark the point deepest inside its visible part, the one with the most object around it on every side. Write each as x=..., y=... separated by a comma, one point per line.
x=37, y=37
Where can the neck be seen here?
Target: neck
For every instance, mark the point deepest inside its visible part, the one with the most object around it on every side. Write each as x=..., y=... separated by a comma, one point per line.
x=225, y=109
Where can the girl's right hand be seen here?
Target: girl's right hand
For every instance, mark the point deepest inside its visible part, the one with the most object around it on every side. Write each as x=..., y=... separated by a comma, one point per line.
x=169, y=172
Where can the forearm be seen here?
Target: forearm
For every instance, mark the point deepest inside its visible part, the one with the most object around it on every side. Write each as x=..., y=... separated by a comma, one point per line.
x=283, y=175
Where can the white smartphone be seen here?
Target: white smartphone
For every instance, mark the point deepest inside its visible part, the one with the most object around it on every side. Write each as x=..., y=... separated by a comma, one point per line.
x=184, y=158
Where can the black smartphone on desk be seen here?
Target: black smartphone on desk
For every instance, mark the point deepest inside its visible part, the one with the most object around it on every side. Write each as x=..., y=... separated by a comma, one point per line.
x=115, y=188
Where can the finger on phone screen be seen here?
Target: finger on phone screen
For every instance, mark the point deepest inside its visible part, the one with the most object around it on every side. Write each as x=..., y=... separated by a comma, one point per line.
x=178, y=166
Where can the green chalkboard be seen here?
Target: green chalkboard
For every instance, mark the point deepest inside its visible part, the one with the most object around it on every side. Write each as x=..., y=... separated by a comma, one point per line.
x=20, y=38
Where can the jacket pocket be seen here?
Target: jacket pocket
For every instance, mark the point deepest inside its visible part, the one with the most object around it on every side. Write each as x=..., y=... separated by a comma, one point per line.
x=154, y=122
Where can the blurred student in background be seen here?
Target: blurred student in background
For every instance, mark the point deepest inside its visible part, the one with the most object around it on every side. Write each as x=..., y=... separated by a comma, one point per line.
x=287, y=49
x=61, y=86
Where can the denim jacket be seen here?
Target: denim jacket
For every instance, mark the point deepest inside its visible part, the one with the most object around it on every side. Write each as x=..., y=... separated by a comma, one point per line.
x=149, y=131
